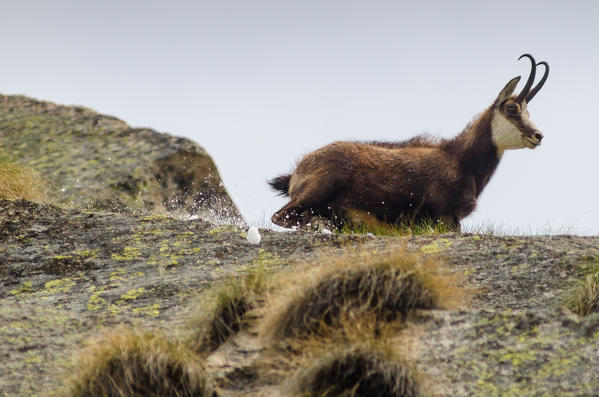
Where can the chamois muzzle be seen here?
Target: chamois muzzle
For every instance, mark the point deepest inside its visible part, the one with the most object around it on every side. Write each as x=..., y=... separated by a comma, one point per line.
x=538, y=135
x=535, y=139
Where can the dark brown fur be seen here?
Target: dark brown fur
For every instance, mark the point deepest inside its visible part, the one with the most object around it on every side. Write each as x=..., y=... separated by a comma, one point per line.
x=403, y=182
x=396, y=182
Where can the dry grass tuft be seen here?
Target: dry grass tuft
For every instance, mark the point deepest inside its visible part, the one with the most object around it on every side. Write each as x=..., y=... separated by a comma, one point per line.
x=584, y=300
x=356, y=371
x=20, y=182
x=225, y=310
x=385, y=287
x=125, y=363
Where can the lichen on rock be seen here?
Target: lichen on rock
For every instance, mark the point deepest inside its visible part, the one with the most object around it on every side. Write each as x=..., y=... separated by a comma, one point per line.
x=97, y=162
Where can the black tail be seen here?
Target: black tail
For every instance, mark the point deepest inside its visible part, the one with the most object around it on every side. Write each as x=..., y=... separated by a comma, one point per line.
x=281, y=183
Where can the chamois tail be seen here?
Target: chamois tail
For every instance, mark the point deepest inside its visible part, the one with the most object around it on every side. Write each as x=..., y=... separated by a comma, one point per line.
x=281, y=183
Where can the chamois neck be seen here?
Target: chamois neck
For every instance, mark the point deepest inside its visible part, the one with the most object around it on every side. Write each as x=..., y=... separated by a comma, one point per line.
x=475, y=151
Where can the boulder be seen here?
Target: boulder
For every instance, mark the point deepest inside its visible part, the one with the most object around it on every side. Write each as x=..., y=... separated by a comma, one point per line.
x=99, y=163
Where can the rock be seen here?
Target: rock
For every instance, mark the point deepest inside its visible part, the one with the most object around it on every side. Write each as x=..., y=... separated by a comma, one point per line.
x=589, y=326
x=108, y=254
x=65, y=274
x=98, y=162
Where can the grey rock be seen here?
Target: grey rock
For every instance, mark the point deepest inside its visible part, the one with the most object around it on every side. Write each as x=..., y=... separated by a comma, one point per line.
x=97, y=162
x=65, y=274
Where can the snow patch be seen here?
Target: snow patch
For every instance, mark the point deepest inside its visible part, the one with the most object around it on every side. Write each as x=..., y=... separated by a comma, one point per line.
x=254, y=235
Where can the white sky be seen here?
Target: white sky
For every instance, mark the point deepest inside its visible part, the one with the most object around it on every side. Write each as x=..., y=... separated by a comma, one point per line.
x=260, y=83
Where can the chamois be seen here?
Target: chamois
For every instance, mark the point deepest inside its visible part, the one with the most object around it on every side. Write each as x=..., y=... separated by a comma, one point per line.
x=421, y=178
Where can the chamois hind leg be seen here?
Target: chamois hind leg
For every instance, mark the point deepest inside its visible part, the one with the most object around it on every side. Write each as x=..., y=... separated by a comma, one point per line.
x=292, y=214
x=304, y=206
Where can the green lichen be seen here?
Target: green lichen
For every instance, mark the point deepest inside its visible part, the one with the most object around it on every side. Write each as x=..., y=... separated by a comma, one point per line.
x=152, y=232
x=186, y=234
x=132, y=294
x=149, y=310
x=120, y=275
x=117, y=308
x=62, y=257
x=121, y=305
x=59, y=286
x=129, y=254
x=155, y=217
x=516, y=360
x=95, y=301
x=437, y=246
x=117, y=276
x=25, y=288
x=223, y=229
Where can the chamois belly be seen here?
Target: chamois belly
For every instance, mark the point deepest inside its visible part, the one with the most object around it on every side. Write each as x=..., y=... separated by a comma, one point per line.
x=397, y=201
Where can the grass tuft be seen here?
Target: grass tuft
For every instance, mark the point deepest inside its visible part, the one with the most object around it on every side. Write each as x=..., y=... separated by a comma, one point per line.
x=385, y=287
x=584, y=300
x=355, y=371
x=224, y=311
x=123, y=362
x=20, y=182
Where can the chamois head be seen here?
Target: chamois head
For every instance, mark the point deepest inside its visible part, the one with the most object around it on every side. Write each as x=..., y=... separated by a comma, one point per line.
x=511, y=126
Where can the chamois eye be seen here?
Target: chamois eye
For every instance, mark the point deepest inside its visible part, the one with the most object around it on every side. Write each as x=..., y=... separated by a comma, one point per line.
x=512, y=110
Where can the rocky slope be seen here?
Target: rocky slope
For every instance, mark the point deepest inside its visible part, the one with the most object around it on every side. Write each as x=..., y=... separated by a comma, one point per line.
x=98, y=162
x=111, y=252
x=65, y=274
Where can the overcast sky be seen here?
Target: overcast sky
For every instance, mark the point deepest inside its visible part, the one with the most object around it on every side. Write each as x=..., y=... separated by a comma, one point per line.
x=260, y=83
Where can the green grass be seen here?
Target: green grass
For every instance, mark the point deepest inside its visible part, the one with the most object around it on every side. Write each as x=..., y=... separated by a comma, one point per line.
x=422, y=228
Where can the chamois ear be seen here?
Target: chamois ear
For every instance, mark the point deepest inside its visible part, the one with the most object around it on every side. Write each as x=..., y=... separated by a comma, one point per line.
x=507, y=91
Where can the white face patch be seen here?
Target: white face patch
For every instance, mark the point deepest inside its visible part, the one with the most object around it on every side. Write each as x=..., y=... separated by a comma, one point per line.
x=506, y=134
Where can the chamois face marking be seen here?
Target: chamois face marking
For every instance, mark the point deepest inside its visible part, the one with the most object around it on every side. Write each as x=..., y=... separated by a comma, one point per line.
x=512, y=128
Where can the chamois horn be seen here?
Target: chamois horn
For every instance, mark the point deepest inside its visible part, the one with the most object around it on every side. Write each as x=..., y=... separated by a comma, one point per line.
x=539, y=85
x=531, y=78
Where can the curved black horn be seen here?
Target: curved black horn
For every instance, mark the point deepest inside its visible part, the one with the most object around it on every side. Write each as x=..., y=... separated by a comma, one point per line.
x=539, y=85
x=523, y=94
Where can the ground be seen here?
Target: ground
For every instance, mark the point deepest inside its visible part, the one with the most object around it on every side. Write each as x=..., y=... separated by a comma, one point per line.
x=66, y=274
